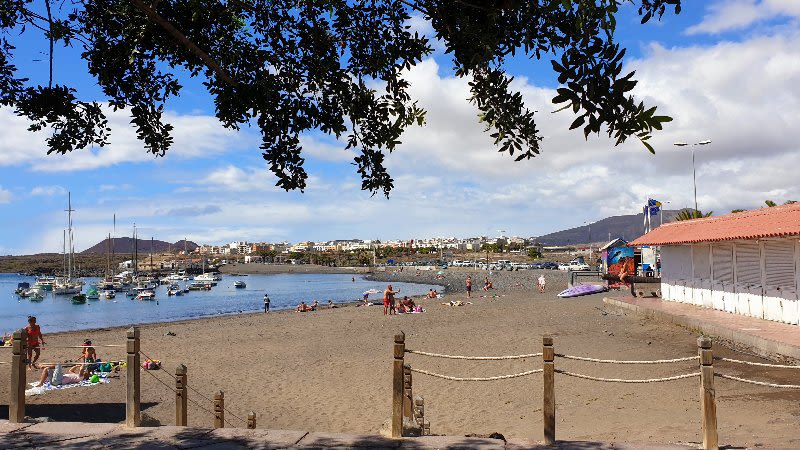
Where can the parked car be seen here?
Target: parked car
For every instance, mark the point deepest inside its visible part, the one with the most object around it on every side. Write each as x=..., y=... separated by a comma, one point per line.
x=574, y=265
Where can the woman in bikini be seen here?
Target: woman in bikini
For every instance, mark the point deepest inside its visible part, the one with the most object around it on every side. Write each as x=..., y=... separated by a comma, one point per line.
x=35, y=338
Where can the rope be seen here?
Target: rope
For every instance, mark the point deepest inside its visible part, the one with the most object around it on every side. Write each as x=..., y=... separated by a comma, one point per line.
x=751, y=363
x=620, y=380
x=760, y=383
x=39, y=363
x=501, y=377
x=475, y=358
x=616, y=361
x=82, y=346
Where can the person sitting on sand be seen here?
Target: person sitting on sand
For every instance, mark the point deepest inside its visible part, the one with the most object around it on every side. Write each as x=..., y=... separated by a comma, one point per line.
x=315, y=305
x=331, y=305
x=88, y=355
x=407, y=305
x=487, y=284
x=74, y=375
x=431, y=293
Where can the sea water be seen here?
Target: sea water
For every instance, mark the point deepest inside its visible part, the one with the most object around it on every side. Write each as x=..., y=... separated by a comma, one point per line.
x=286, y=291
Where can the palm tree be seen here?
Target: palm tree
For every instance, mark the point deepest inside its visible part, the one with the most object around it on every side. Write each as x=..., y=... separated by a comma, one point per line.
x=689, y=214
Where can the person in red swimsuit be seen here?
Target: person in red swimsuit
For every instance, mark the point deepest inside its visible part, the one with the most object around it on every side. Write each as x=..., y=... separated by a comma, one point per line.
x=35, y=338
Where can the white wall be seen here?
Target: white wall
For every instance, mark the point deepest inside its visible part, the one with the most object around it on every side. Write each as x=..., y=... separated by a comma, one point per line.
x=754, y=278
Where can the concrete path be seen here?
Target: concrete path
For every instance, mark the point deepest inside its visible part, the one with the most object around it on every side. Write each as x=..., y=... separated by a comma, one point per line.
x=71, y=435
x=766, y=337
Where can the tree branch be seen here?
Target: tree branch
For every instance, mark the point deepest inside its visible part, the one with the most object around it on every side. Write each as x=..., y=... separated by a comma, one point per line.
x=50, y=37
x=180, y=37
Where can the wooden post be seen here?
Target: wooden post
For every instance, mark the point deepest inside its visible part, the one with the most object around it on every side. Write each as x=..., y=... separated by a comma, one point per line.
x=251, y=420
x=549, y=394
x=419, y=412
x=219, y=410
x=16, y=401
x=133, y=416
x=408, y=397
x=708, y=401
x=181, y=396
x=397, y=384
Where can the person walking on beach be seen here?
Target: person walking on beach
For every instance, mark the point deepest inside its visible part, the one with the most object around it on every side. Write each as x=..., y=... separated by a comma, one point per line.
x=541, y=283
x=266, y=303
x=469, y=286
x=35, y=338
x=388, y=300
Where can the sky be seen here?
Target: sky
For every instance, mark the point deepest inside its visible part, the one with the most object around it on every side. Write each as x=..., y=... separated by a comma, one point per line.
x=725, y=70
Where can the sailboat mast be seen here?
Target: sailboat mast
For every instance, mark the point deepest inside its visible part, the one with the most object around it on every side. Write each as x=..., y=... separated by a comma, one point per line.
x=69, y=235
x=151, y=254
x=64, y=251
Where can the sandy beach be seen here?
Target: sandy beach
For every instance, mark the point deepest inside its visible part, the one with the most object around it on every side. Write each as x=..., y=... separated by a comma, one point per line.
x=330, y=371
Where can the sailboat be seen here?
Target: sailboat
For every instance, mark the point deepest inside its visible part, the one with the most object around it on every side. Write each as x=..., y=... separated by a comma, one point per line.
x=67, y=285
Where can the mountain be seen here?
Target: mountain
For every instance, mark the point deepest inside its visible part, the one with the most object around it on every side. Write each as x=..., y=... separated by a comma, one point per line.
x=626, y=227
x=126, y=245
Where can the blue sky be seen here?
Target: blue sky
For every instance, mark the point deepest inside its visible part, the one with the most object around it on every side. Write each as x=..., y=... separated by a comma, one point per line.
x=726, y=70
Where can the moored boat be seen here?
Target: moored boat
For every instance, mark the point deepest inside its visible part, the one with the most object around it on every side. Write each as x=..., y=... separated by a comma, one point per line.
x=146, y=295
x=22, y=288
x=79, y=299
x=109, y=294
x=92, y=294
x=239, y=284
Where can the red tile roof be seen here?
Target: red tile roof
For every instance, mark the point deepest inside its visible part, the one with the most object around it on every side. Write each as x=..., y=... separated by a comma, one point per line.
x=778, y=221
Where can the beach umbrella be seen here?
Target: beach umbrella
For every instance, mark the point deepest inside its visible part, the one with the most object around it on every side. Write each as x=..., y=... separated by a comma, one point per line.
x=371, y=291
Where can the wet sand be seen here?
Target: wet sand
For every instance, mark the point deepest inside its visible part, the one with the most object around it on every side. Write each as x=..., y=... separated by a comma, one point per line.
x=330, y=371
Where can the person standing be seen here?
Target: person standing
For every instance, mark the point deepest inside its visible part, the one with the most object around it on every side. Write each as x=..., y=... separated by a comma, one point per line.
x=388, y=300
x=469, y=286
x=541, y=283
x=266, y=303
x=35, y=338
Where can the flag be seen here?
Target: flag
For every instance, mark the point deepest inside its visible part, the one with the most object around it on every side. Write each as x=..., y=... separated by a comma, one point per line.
x=654, y=206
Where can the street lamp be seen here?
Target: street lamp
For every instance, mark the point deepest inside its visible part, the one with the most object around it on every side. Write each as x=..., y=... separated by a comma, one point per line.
x=694, y=172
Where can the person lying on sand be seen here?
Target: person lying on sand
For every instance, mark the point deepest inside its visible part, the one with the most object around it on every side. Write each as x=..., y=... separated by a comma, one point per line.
x=302, y=307
x=456, y=303
x=75, y=374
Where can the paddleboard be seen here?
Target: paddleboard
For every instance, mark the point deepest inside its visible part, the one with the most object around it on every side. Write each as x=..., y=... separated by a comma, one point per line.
x=582, y=289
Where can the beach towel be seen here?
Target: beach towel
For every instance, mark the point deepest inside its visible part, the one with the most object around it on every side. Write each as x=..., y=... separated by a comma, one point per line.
x=39, y=390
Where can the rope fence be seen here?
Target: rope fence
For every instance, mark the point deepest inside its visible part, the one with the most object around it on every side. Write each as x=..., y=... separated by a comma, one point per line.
x=759, y=383
x=132, y=365
x=617, y=361
x=188, y=386
x=473, y=358
x=401, y=394
x=752, y=363
x=621, y=380
x=499, y=377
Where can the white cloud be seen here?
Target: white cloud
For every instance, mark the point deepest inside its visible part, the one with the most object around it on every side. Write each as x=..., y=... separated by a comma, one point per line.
x=727, y=15
x=5, y=195
x=195, y=136
x=48, y=191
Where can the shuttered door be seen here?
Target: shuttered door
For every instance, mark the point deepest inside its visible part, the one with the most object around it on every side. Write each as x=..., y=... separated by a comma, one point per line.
x=676, y=262
x=779, y=259
x=748, y=264
x=702, y=263
x=723, y=262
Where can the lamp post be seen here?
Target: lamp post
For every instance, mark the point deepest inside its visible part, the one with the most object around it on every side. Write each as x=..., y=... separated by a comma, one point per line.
x=694, y=172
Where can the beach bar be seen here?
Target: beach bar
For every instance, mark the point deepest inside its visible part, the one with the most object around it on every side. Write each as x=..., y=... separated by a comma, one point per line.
x=744, y=263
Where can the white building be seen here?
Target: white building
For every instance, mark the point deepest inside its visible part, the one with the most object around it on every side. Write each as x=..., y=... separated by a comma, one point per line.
x=744, y=263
